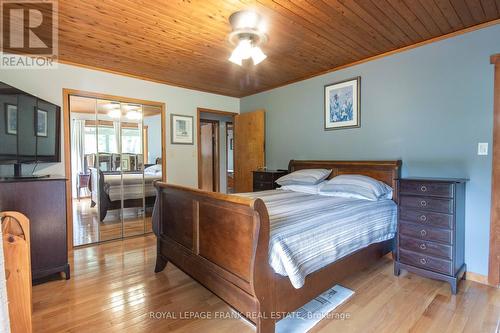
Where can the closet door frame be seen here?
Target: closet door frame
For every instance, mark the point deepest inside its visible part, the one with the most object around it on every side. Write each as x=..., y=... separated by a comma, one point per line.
x=66, y=120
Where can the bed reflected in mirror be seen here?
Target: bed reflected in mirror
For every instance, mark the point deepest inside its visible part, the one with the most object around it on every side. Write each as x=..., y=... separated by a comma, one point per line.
x=116, y=155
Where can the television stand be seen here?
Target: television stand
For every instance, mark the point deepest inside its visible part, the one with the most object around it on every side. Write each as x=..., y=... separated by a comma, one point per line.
x=19, y=175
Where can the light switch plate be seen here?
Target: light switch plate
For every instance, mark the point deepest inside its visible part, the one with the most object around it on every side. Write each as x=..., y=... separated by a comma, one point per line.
x=482, y=148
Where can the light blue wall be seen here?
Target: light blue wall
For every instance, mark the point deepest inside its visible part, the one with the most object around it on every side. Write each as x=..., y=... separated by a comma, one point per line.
x=154, y=137
x=429, y=106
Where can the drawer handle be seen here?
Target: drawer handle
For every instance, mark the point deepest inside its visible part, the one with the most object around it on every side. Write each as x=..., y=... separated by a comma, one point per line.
x=423, y=246
x=423, y=218
x=423, y=261
x=423, y=233
x=423, y=188
x=423, y=203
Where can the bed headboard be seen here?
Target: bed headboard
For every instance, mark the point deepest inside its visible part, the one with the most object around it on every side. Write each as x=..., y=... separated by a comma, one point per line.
x=385, y=171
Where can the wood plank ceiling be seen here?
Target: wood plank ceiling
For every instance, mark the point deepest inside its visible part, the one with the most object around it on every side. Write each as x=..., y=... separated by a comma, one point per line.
x=184, y=43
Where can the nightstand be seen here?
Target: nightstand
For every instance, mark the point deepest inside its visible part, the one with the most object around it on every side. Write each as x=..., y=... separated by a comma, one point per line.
x=265, y=179
x=431, y=228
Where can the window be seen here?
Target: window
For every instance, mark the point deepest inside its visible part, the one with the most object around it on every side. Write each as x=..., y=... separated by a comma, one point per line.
x=106, y=140
x=131, y=141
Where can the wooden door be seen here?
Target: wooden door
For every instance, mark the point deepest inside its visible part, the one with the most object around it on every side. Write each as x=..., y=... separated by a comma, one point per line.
x=249, y=148
x=208, y=146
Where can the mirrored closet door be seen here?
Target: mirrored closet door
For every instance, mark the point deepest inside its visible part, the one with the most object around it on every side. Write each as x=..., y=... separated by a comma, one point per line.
x=116, y=156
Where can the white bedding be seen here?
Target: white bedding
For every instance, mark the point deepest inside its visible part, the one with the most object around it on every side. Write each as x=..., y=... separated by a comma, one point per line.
x=309, y=232
x=133, y=186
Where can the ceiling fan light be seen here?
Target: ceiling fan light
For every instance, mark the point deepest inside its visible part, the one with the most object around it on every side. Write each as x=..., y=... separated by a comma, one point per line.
x=115, y=113
x=247, y=35
x=244, y=49
x=134, y=115
x=235, y=59
x=257, y=55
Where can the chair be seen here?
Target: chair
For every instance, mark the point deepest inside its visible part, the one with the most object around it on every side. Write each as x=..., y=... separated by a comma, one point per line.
x=82, y=182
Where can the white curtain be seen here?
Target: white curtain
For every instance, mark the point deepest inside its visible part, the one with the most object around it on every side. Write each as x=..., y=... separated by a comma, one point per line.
x=77, y=150
x=118, y=136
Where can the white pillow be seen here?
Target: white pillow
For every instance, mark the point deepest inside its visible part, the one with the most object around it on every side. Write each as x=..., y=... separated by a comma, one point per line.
x=356, y=186
x=304, y=177
x=154, y=169
x=309, y=189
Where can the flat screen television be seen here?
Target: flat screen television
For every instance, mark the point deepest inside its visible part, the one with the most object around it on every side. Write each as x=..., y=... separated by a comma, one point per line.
x=29, y=129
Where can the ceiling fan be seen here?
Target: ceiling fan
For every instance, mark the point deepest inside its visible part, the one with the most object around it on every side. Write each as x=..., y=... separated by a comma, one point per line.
x=247, y=35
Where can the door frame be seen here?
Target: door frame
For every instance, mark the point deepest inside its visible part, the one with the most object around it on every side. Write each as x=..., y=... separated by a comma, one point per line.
x=215, y=152
x=494, y=250
x=67, y=93
x=227, y=155
x=199, y=111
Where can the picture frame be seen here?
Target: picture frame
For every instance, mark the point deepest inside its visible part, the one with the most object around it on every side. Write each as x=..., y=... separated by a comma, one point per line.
x=125, y=165
x=41, y=123
x=10, y=119
x=181, y=129
x=342, y=101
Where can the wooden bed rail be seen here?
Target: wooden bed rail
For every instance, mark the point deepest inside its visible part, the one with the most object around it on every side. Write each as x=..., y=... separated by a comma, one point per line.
x=219, y=240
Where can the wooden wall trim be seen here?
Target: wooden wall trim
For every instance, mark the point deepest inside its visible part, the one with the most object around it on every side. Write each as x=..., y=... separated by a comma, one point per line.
x=402, y=49
x=479, y=278
x=67, y=169
x=67, y=144
x=382, y=55
x=494, y=258
x=140, y=77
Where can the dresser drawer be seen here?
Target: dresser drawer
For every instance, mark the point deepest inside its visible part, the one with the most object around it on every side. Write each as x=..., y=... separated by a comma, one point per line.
x=423, y=217
x=426, y=262
x=426, y=233
x=426, y=188
x=427, y=203
x=263, y=186
x=426, y=247
x=263, y=177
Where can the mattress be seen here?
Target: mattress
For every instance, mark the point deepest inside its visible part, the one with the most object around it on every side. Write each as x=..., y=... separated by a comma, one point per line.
x=309, y=231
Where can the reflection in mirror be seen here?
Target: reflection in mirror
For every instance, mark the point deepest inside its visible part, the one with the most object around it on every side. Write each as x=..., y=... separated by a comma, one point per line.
x=132, y=169
x=8, y=128
x=152, y=147
x=109, y=163
x=116, y=156
x=84, y=172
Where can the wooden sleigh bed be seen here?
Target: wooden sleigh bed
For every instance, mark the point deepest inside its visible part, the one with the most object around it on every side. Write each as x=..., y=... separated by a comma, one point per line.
x=222, y=241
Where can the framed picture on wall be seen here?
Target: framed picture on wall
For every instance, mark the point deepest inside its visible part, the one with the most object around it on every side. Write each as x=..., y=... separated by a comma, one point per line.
x=343, y=104
x=11, y=119
x=41, y=123
x=181, y=129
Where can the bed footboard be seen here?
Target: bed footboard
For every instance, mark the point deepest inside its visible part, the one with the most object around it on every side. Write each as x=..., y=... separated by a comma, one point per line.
x=221, y=241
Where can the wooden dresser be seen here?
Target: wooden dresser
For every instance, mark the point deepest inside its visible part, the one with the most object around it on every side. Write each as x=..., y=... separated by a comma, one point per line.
x=265, y=179
x=431, y=228
x=43, y=201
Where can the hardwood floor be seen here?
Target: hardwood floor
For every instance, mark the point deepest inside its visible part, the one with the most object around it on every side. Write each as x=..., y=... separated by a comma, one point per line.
x=113, y=289
x=87, y=229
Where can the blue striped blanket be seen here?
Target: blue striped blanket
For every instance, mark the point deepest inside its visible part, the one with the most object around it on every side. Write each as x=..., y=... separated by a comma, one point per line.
x=310, y=231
